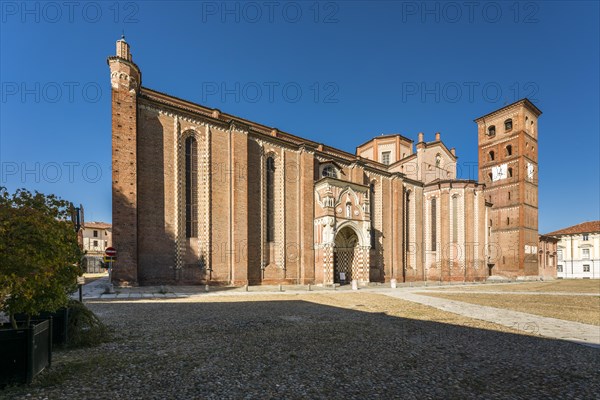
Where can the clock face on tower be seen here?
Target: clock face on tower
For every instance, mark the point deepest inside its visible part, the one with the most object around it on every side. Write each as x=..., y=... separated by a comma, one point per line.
x=499, y=172
x=530, y=170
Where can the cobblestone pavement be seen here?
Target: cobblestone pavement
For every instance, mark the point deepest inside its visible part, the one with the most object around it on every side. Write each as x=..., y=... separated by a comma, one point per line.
x=544, y=326
x=326, y=345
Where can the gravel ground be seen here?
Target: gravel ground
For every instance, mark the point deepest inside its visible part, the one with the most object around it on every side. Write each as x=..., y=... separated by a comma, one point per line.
x=562, y=285
x=333, y=346
x=584, y=309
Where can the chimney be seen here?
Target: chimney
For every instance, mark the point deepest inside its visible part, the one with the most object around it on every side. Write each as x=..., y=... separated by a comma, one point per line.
x=420, y=137
x=437, y=137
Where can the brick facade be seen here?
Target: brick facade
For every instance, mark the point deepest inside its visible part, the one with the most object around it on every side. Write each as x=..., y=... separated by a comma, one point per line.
x=270, y=207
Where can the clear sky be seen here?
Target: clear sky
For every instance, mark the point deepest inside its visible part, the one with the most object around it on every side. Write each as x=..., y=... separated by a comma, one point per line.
x=333, y=72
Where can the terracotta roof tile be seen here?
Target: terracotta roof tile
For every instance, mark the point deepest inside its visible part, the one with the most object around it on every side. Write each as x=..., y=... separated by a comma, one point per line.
x=584, y=227
x=99, y=225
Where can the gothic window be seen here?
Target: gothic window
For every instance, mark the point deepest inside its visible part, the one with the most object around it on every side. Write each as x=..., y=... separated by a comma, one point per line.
x=492, y=130
x=508, y=125
x=454, y=219
x=509, y=150
x=372, y=205
x=438, y=160
x=329, y=171
x=407, y=211
x=191, y=187
x=491, y=155
x=433, y=224
x=270, y=199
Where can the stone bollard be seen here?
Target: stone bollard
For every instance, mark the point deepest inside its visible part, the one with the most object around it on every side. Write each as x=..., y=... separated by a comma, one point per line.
x=393, y=283
x=354, y=284
x=109, y=289
x=246, y=288
x=206, y=288
x=309, y=289
x=280, y=288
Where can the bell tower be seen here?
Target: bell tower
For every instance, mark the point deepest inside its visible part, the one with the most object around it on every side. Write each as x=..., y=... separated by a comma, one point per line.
x=125, y=80
x=508, y=166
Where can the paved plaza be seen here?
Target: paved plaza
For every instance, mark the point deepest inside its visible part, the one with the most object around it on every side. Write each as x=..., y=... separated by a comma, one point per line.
x=292, y=342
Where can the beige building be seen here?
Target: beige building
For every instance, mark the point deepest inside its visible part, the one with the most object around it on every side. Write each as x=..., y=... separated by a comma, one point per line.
x=204, y=197
x=95, y=238
x=547, y=256
x=578, y=251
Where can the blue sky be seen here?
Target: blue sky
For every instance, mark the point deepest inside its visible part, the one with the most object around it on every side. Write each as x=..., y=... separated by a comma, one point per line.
x=333, y=72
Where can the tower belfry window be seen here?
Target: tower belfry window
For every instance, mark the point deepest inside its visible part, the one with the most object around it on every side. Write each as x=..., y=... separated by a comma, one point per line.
x=492, y=130
x=509, y=150
x=508, y=125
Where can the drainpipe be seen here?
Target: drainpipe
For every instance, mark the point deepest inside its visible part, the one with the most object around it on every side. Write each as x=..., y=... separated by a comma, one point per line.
x=423, y=240
x=231, y=177
x=572, y=256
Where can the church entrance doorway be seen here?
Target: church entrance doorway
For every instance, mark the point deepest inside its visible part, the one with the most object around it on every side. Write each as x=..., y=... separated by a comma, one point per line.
x=345, y=257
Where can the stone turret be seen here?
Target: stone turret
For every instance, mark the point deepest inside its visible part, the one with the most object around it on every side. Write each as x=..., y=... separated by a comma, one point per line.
x=125, y=80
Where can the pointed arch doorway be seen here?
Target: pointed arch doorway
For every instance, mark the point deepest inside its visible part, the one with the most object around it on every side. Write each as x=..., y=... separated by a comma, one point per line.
x=346, y=255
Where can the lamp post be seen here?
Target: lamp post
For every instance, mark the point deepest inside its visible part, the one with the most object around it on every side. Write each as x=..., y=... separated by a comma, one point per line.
x=77, y=219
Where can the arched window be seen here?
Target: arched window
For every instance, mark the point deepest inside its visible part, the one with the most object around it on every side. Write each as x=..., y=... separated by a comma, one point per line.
x=492, y=130
x=508, y=125
x=507, y=220
x=348, y=210
x=270, y=199
x=491, y=155
x=490, y=176
x=329, y=171
x=372, y=205
x=191, y=187
x=510, y=172
x=433, y=224
x=407, y=223
x=509, y=150
x=454, y=219
x=438, y=160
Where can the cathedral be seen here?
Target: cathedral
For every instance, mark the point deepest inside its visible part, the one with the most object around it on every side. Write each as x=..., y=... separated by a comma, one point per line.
x=203, y=197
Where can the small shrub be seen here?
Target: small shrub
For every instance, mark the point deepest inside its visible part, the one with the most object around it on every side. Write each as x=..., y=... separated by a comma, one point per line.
x=85, y=329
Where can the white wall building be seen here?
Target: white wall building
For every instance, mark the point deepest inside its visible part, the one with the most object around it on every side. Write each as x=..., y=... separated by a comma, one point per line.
x=578, y=252
x=95, y=238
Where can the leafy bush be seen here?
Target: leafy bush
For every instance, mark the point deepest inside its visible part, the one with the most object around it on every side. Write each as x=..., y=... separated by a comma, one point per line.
x=40, y=253
x=85, y=329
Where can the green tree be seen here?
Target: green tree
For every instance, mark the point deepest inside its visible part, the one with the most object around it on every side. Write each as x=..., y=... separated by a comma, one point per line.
x=39, y=253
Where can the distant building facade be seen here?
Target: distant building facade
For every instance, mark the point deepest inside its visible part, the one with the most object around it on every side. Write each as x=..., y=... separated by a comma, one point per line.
x=578, y=251
x=95, y=238
x=204, y=197
x=547, y=255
